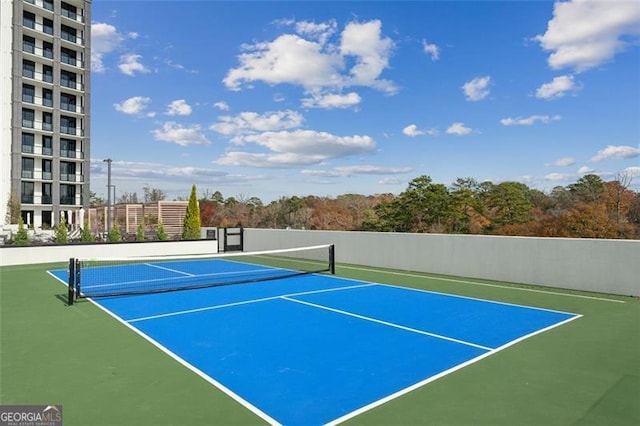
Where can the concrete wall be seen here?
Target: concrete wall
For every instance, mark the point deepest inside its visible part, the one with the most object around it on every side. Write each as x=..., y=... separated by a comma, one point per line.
x=607, y=266
x=12, y=255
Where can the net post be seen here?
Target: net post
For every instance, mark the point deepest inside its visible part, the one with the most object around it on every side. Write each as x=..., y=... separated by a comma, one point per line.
x=332, y=259
x=77, y=278
x=71, y=282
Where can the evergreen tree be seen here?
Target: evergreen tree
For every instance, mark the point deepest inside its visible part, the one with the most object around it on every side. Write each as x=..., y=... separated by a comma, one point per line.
x=161, y=234
x=191, y=227
x=22, y=236
x=87, y=236
x=140, y=233
x=114, y=234
x=61, y=236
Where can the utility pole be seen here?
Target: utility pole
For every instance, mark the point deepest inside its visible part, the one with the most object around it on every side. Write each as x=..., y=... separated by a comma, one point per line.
x=108, y=161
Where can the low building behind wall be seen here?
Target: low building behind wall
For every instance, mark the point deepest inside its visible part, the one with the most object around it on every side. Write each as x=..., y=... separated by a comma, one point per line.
x=598, y=265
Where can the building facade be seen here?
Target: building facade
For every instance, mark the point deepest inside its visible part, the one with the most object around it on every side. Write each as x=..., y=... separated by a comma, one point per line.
x=45, y=56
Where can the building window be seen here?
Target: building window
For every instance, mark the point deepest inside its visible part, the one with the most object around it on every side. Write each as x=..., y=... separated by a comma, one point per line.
x=67, y=148
x=68, y=56
x=47, y=4
x=28, y=44
x=46, y=194
x=26, y=195
x=47, y=145
x=67, y=194
x=29, y=20
x=67, y=125
x=47, y=97
x=28, y=69
x=28, y=93
x=27, y=167
x=28, y=118
x=68, y=79
x=68, y=33
x=47, y=50
x=47, y=167
x=47, y=73
x=28, y=140
x=69, y=11
x=47, y=121
x=67, y=102
x=46, y=218
x=47, y=26
x=67, y=171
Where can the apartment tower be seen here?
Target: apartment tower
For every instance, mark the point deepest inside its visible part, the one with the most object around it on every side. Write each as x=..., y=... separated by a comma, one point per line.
x=44, y=110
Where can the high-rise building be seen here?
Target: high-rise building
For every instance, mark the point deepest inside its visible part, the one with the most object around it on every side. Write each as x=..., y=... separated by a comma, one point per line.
x=45, y=110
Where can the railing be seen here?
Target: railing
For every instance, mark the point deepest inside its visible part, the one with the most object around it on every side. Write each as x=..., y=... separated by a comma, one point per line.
x=26, y=199
x=38, y=51
x=37, y=125
x=36, y=100
x=47, y=78
x=71, y=107
x=27, y=174
x=71, y=177
x=67, y=153
x=67, y=130
x=71, y=84
x=27, y=149
x=42, y=4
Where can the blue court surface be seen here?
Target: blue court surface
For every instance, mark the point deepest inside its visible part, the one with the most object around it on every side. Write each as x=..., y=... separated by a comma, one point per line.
x=318, y=349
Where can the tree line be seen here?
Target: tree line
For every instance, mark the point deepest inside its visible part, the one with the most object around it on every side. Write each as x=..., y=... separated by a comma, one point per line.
x=588, y=208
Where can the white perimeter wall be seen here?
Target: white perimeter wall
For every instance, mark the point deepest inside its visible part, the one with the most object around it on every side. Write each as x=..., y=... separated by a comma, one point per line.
x=62, y=253
x=607, y=266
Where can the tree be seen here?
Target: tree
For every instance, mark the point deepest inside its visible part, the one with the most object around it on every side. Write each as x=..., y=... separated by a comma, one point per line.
x=22, y=236
x=587, y=189
x=588, y=220
x=61, y=235
x=140, y=233
x=114, y=234
x=94, y=200
x=191, y=225
x=161, y=234
x=509, y=203
x=13, y=209
x=86, y=236
x=152, y=195
x=128, y=198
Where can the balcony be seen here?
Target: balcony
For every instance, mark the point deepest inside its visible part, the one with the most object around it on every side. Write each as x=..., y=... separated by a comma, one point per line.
x=47, y=78
x=37, y=125
x=27, y=174
x=71, y=107
x=74, y=62
x=74, y=16
x=46, y=199
x=27, y=149
x=75, y=177
x=35, y=100
x=71, y=131
x=26, y=198
x=71, y=200
x=66, y=153
x=37, y=51
x=71, y=84
x=47, y=5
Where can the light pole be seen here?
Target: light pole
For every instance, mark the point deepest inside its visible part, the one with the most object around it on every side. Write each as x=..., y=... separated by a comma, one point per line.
x=108, y=161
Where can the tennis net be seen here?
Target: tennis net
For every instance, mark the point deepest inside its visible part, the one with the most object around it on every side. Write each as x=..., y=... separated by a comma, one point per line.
x=138, y=275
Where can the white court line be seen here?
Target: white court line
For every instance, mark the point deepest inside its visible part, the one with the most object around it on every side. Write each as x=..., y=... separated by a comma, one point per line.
x=177, y=271
x=440, y=375
x=245, y=302
x=431, y=277
x=390, y=324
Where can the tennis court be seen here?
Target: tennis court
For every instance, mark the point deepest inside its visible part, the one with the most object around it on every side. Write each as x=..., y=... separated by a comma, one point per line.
x=309, y=349
x=364, y=346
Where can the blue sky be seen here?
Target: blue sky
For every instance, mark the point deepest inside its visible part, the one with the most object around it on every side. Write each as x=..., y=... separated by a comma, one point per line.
x=270, y=99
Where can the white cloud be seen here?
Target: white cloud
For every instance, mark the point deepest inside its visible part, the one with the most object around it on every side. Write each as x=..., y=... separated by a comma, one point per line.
x=563, y=162
x=528, y=121
x=130, y=64
x=181, y=135
x=104, y=39
x=585, y=170
x=586, y=33
x=431, y=49
x=412, y=130
x=619, y=152
x=297, y=148
x=392, y=181
x=557, y=176
x=308, y=59
x=556, y=88
x=252, y=122
x=357, y=170
x=459, y=129
x=476, y=89
x=222, y=106
x=179, y=107
x=133, y=106
x=331, y=100
x=632, y=171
